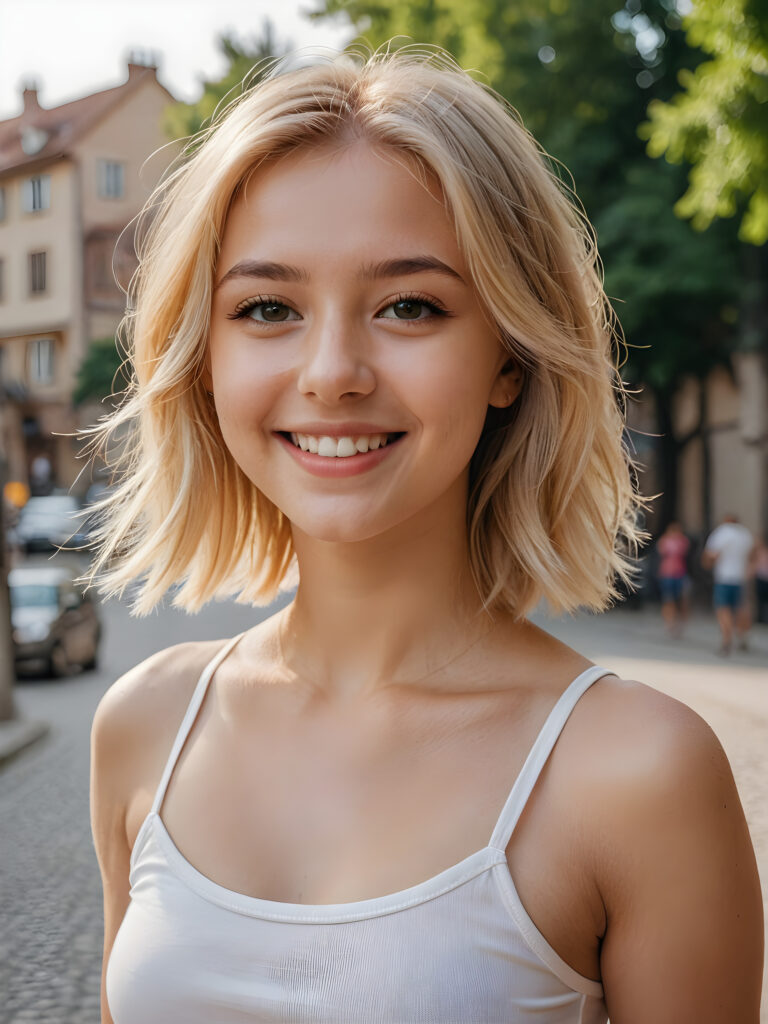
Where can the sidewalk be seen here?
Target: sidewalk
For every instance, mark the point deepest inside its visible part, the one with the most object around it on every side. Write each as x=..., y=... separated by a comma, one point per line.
x=18, y=734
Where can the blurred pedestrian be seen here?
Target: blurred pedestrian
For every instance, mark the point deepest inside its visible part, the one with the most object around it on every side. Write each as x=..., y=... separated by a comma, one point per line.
x=761, y=580
x=41, y=475
x=728, y=552
x=673, y=547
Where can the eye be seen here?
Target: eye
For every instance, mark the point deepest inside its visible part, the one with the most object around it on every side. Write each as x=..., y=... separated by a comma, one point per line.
x=412, y=307
x=264, y=310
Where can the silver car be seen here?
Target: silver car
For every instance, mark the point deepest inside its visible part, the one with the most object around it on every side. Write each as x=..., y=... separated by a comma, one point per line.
x=56, y=627
x=44, y=522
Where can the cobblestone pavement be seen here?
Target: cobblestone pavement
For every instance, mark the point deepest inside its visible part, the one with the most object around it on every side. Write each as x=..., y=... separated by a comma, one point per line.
x=50, y=898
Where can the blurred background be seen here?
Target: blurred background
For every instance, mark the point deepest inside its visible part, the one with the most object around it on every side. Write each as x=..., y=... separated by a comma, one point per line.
x=655, y=111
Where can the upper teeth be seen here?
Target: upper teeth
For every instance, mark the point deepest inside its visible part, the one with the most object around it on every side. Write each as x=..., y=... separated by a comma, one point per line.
x=339, y=447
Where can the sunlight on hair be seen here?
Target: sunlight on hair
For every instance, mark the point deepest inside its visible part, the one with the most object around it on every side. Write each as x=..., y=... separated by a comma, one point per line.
x=552, y=511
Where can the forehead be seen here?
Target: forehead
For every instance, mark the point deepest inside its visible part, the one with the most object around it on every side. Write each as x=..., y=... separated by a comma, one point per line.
x=328, y=204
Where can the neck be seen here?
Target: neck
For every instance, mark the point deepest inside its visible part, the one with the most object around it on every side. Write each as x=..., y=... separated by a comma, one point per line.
x=392, y=609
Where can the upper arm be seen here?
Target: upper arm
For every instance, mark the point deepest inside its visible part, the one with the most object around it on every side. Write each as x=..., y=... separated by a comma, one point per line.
x=132, y=734
x=109, y=793
x=684, y=938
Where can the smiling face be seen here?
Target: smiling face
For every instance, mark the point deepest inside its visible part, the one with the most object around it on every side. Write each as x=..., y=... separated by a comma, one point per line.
x=351, y=363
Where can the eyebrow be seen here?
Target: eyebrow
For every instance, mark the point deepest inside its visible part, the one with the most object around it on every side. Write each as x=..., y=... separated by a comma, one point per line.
x=401, y=267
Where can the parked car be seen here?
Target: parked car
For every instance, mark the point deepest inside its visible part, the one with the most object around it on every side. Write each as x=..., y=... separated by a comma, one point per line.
x=56, y=626
x=45, y=521
x=77, y=532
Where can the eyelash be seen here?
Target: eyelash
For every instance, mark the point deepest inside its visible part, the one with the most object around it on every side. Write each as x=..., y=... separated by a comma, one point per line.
x=242, y=310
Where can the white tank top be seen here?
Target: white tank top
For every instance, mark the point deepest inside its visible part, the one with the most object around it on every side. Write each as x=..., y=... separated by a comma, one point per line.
x=456, y=949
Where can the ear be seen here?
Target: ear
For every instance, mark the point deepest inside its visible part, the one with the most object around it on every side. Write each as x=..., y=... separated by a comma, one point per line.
x=507, y=386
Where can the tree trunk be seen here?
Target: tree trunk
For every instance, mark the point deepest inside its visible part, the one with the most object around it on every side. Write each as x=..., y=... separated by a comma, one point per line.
x=668, y=455
x=706, y=458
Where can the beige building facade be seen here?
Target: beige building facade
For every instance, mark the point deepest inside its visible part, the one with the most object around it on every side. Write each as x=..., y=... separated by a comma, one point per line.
x=72, y=178
x=723, y=465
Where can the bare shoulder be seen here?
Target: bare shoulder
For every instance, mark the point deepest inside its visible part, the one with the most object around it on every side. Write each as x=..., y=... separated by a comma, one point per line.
x=155, y=689
x=648, y=761
x=138, y=716
x=653, y=743
x=671, y=856
x=158, y=681
x=639, y=767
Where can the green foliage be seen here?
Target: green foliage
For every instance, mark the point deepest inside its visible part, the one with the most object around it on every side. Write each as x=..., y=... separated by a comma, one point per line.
x=102, y=373
x=719, y=122
x=247, y=60
x=581, y=73
x=675, y=292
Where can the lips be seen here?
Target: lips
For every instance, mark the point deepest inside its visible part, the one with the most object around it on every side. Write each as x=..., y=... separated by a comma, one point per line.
x=342, y=455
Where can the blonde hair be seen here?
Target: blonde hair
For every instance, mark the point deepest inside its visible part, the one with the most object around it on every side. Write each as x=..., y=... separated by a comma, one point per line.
x=551, y=510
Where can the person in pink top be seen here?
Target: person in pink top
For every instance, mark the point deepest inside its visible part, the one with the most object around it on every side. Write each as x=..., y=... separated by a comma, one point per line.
x=673, y=547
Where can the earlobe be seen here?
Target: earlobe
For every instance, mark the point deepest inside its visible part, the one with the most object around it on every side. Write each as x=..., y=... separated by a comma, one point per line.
x=507, y=386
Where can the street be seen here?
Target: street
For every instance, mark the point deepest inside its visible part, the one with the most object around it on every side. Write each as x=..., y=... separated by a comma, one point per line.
x=50, y=942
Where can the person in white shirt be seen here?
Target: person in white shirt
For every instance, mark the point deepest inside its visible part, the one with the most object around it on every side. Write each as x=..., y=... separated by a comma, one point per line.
x=728, y=552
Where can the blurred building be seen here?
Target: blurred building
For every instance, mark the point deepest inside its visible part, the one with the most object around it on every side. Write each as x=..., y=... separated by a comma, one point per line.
x=721, y=428
x=72, y=178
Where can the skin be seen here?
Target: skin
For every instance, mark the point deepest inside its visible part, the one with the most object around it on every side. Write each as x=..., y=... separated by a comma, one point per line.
x=388, y=713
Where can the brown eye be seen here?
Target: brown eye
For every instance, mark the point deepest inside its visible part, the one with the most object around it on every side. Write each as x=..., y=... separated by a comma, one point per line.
x=264, y=311
x=412, y=308
x=273, y=312
x=408, y=309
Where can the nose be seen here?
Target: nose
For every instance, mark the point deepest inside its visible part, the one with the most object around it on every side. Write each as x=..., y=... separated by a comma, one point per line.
x=335, y=363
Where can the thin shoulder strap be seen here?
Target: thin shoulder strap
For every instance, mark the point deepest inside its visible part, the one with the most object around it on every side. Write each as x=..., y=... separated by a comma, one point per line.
x=189, y=718
x=539, y=754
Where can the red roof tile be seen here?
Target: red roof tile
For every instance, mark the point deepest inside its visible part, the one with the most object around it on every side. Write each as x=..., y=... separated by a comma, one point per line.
x=62, y=125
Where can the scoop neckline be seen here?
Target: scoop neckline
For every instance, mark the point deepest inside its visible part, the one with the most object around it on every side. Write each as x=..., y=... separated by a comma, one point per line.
x=310, y=913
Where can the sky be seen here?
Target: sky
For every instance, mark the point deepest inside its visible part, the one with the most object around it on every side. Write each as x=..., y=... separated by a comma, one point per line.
x=73, y=47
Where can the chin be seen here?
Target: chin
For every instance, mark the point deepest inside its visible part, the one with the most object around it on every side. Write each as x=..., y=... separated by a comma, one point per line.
x=332, y=531
x=342, y=525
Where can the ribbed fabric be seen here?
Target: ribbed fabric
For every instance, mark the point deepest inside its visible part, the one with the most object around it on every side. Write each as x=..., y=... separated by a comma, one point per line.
x=456, y=949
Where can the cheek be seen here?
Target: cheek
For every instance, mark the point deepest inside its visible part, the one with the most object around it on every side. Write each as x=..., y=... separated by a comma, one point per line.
x=244, y=391
x=451, y=398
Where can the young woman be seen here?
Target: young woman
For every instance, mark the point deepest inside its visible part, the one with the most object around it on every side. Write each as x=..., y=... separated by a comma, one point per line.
x=371, y=349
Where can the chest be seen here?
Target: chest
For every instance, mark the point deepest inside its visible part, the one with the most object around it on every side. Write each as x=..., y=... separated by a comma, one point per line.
x=315, y=811
x=339, y=807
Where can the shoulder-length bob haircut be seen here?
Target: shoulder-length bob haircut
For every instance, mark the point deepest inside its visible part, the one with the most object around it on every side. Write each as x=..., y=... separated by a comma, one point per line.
x=552, y=509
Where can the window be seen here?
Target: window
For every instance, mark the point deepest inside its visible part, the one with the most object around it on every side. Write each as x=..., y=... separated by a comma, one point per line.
x=37, y=272
x=36, y=193
x=2, y=204
x=111, y=180
x=40, y=360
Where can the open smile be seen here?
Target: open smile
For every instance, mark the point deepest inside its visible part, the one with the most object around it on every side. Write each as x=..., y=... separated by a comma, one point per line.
x=341, y=447
x=323, y=455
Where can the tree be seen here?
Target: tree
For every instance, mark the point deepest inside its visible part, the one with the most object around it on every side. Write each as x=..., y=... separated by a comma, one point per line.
x=247, y=60
x=102, y=373
x=718, y=123
x=581, y=73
